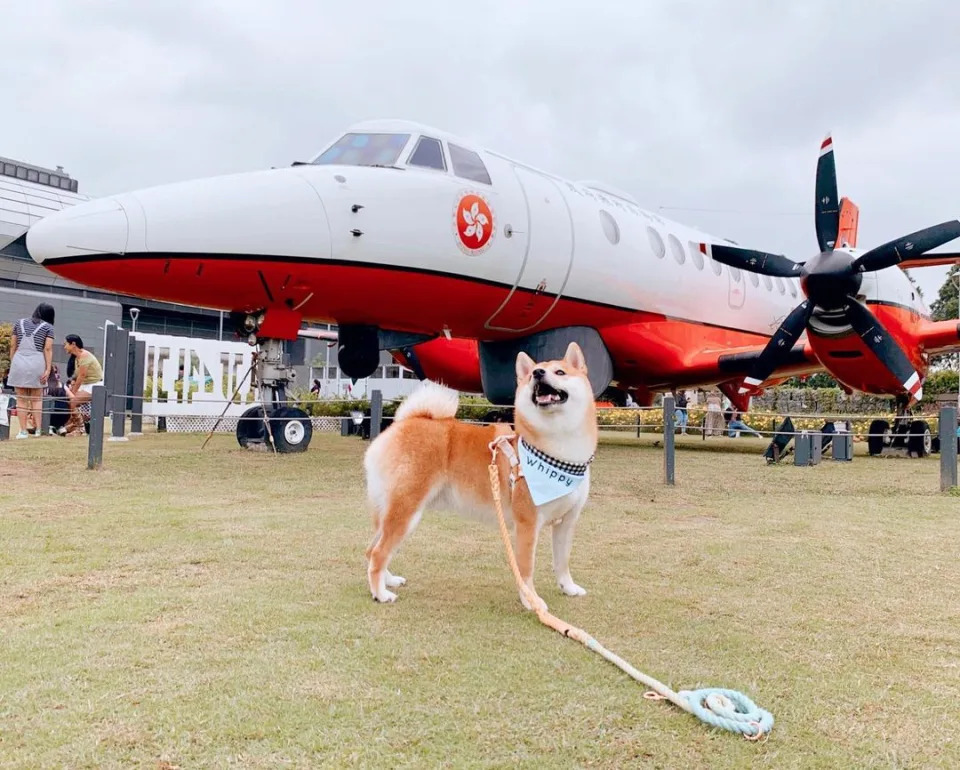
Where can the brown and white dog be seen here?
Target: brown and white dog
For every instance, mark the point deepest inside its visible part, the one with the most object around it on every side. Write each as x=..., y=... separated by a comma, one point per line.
x=427, y=459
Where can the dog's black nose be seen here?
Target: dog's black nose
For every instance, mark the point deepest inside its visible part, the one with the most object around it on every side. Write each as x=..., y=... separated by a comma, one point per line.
x=538, y=374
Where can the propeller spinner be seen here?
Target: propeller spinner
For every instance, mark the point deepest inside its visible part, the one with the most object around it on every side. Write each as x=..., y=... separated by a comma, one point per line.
x=832, y=278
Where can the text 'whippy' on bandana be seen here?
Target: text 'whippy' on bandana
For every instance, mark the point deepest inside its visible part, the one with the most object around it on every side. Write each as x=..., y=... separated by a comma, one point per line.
x=547, y=477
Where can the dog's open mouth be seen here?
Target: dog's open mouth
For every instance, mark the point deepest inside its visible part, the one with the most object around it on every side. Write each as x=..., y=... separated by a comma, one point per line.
x=544, y=395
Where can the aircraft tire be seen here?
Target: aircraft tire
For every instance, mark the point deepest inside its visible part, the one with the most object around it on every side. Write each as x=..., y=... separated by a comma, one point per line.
x=875, y=441
x=291, y=429
x=920, y=441
x=250, y=429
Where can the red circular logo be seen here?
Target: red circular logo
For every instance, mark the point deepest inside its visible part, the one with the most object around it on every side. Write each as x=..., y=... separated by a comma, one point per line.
x=474, y=222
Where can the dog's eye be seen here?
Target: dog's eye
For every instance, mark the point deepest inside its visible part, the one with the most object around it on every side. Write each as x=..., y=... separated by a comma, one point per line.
x=559, y=372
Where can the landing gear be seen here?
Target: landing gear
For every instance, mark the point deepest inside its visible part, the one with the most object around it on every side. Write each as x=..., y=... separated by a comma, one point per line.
x=906, y=438
x=273, y=423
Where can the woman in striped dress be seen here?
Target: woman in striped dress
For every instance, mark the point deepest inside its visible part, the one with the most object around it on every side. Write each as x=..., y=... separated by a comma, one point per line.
x=31, y=357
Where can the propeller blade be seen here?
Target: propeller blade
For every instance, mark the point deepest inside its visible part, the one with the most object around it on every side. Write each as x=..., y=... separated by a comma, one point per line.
x=779, y=346
x=884, y=347
x=827, y=206
x=752, y=261
x=908, y=247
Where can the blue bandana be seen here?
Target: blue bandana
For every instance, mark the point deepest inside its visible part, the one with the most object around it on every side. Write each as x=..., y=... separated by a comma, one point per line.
x=547, y=477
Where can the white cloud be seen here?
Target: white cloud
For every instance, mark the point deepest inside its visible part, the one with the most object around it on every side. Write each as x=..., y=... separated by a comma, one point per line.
x=701, y=105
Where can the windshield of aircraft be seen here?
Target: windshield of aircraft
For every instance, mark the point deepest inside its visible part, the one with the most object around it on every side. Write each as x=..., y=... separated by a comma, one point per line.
x=364, y=150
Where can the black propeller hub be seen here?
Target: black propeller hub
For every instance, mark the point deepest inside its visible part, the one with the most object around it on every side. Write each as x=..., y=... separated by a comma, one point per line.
x=829, y=278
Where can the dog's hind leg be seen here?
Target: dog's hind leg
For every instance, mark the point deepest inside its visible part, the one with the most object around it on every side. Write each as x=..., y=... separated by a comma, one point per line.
x=400, y=518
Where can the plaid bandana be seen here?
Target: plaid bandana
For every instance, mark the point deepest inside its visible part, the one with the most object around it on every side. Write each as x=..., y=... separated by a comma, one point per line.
x=547, y=477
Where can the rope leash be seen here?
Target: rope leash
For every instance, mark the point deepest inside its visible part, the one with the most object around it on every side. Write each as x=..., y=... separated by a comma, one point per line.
x=727, y=709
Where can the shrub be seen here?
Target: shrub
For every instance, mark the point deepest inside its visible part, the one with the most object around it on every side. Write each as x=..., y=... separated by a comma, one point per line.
x=6, y=332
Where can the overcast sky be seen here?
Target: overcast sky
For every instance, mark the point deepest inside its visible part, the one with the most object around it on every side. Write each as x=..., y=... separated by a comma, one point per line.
x=718, y=106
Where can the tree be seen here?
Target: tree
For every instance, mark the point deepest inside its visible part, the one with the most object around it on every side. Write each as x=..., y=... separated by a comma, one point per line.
x=913, y=281
x=944, y=307
x=816, y=380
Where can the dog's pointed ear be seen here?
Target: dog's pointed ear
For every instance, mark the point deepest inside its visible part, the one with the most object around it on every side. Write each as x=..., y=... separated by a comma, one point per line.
x=574, y=357
x=525, y=365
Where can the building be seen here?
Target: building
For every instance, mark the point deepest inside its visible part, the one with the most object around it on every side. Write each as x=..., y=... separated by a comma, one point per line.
x=29, y=193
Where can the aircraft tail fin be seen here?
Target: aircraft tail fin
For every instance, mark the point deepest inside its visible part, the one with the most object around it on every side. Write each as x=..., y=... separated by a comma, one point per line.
x=849, y=220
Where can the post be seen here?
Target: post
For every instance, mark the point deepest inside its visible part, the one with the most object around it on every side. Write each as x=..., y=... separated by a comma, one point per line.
x=109, y=357
x=98, y=408
x=118, y=394
x=376, y=413
x=669, y=460
x=816, y=448
x=135, y=391
x=803, y=449
x=46, y=406
x=948, y=448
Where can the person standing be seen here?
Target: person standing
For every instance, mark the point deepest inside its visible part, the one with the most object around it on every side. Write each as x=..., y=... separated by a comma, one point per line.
x=31, y=358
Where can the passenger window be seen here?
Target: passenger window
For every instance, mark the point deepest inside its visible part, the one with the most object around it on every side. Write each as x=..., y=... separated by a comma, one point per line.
x=428, y=154
x=780, y=285
x=678, y=253
x=695, y=254
x=656, y=243
x=754, y=279
x=768, y=283
x=467, y=164
x=793, y=288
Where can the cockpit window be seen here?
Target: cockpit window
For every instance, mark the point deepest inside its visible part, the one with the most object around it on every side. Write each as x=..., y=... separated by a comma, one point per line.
x=428, y=154
x=364, y=150
x=467, y=164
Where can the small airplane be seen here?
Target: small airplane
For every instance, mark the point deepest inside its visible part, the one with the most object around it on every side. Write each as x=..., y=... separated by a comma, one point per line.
x=454, y=258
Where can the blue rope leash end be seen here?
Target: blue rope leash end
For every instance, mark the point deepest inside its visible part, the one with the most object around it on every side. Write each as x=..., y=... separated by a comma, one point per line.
x=729, y=710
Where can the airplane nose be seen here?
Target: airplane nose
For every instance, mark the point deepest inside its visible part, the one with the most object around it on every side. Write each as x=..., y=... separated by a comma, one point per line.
x=96, y=227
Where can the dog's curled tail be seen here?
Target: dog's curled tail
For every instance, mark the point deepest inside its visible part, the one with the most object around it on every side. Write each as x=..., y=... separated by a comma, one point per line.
x=430, y=401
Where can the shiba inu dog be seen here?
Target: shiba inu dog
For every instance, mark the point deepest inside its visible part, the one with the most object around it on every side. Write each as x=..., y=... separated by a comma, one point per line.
x=428, y=459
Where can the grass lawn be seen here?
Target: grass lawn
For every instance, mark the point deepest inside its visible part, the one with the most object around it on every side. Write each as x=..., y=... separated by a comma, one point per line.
x=189, y=609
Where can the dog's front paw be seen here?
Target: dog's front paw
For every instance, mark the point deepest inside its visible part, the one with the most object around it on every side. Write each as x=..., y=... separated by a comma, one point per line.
x=572, y=589
x=385, y=597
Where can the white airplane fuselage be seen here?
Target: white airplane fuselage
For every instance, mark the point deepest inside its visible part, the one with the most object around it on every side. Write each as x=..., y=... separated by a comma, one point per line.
x=436, y=250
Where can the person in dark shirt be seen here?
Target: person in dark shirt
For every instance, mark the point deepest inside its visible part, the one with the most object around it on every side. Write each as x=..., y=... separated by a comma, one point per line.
x=680, y=402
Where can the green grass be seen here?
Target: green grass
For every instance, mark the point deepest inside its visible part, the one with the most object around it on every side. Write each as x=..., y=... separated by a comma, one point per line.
x=181, y=608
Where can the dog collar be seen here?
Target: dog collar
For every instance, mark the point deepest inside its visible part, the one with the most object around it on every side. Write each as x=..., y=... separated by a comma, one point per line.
x=574, y=469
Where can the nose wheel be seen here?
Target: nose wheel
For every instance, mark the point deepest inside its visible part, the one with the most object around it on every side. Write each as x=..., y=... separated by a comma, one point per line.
x=272, y=424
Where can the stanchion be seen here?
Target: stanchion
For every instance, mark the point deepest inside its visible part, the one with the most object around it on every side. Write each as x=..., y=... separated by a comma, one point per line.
x=135, y=392
x=948, y=448
x=98, y=411
x=669, y=459
x=376, y=413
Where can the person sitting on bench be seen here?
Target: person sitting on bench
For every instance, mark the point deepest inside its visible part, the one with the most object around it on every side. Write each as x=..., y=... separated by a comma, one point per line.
x=87, y=372
x=736, y=426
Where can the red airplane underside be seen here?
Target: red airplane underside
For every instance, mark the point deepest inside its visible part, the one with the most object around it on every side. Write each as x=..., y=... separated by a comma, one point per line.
x=650, y=351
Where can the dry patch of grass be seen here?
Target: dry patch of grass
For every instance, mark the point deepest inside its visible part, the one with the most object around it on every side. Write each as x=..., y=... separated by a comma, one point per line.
x=185, y=609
